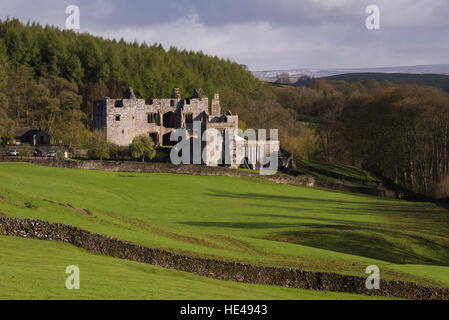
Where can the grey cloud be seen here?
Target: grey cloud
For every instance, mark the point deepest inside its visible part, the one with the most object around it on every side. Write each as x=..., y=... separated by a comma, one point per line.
x=266, y=34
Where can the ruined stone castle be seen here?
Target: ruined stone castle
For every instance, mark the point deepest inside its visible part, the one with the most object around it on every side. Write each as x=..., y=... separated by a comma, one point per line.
x=126, y=118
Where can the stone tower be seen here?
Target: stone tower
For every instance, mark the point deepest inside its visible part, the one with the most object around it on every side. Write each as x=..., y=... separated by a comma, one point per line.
x=176, y=93
x=215, y=106
x=129, y=94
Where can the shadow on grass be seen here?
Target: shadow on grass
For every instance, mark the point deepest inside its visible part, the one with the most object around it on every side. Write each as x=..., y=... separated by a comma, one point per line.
x=377, y=243
x=362, y=211
x=239, y=225
x=378, y=206
x=407, y=234
x=377, y=203
x=386, y=245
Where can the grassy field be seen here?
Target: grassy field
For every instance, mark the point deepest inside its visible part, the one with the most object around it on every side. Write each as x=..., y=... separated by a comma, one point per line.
x=239, y=219
x=33, y=269
x=333, y=172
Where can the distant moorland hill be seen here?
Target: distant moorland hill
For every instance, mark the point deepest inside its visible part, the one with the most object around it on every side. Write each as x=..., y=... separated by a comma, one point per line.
x=433, y=80
x=295, y=74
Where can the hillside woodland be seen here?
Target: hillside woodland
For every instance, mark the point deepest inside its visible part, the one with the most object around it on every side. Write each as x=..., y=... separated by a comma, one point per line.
x=50, y=77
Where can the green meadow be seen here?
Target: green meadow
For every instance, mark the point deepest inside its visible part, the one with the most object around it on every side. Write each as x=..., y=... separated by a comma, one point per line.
x=247, y=220
x=33, y=269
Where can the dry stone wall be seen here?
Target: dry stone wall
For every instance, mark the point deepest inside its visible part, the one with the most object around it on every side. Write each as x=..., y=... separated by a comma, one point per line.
x=221, y=270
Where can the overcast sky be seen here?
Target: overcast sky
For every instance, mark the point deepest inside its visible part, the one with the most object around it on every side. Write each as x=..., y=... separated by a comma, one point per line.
x=265, y=34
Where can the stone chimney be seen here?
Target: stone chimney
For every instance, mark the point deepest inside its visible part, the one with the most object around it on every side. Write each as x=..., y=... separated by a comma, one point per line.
x=176, y=93
x=215, y=106
x=129, y=94
x=199, y=93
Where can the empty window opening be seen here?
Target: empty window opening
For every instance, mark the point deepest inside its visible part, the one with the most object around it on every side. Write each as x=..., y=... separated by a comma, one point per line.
x=189, y=118
x=152, y=118
x=154, y=136
x=172, y=103
x=187, y=101
x=170, y=120
x=166, y=140
x=117, y=118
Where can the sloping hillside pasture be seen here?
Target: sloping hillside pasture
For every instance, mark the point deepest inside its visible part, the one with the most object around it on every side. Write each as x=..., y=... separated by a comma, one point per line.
x=33, y=269
x=248, y=220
